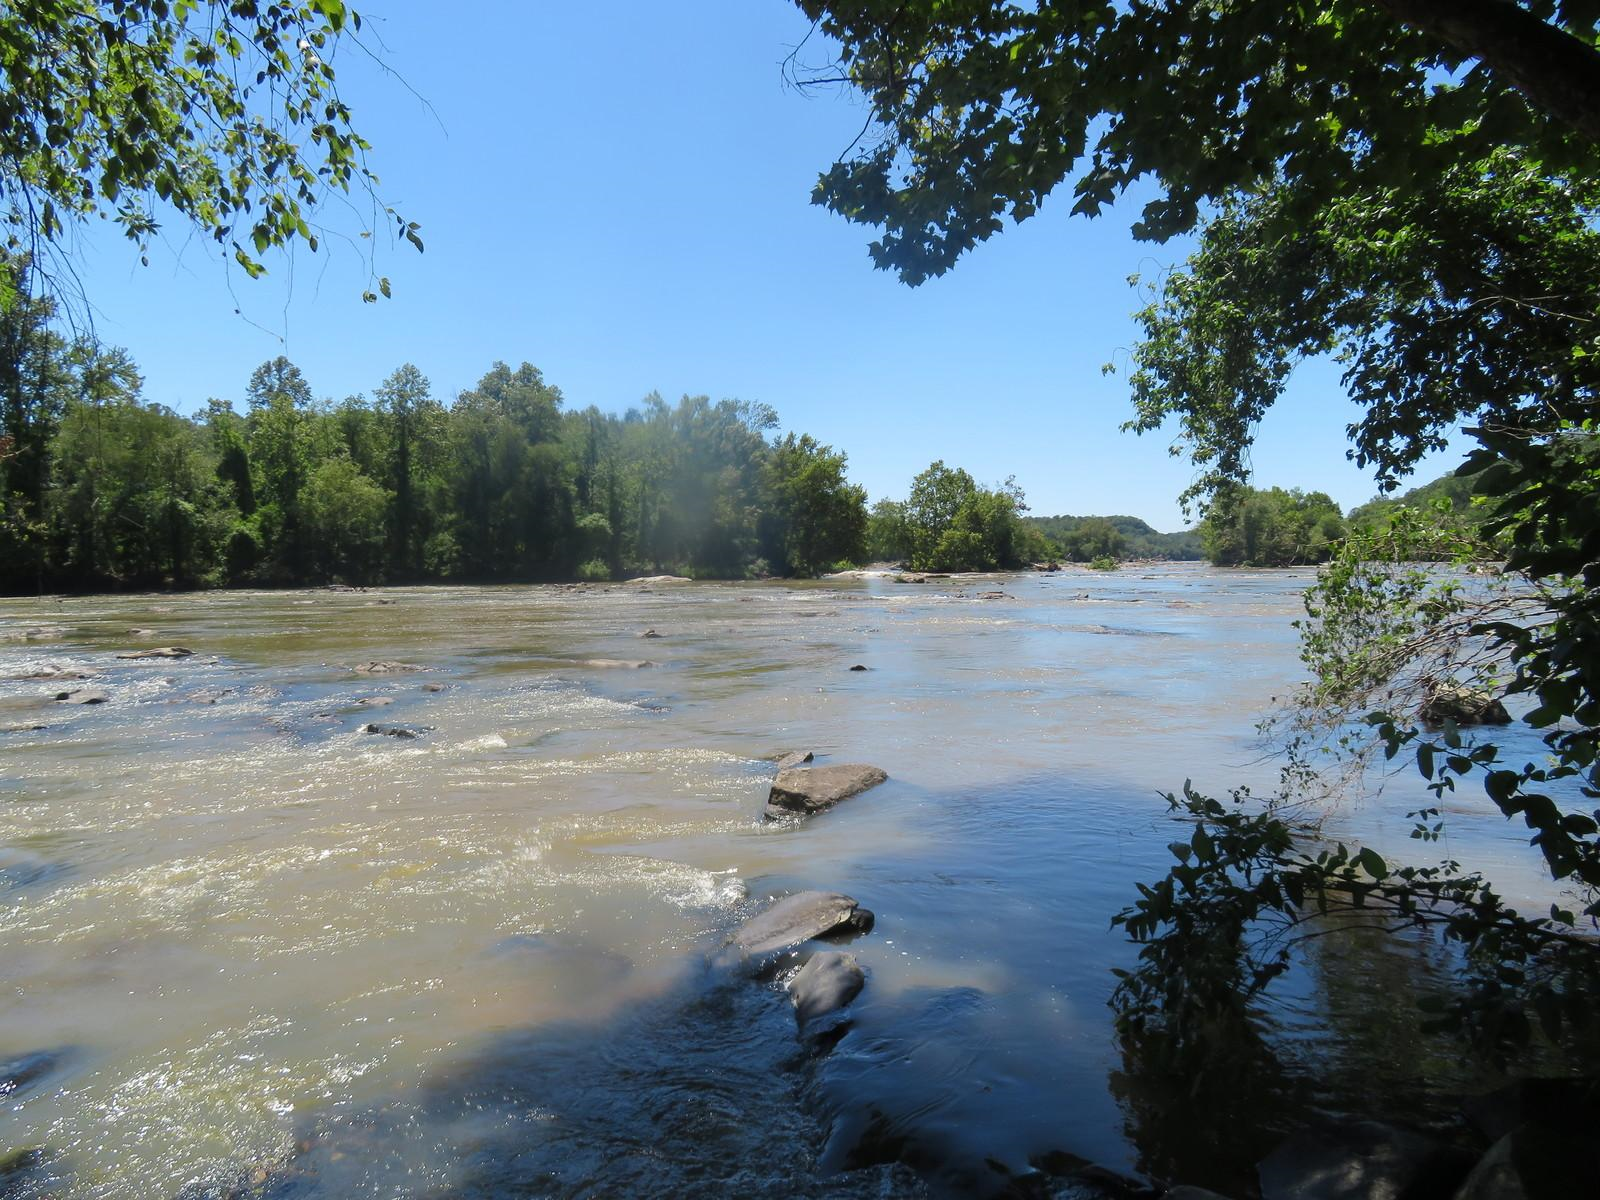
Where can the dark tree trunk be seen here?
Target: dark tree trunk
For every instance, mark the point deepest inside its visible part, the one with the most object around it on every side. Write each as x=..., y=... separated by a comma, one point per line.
x=1556, y=72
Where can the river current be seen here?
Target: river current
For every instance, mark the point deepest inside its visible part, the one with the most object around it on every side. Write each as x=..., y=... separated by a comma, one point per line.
x=256, y=950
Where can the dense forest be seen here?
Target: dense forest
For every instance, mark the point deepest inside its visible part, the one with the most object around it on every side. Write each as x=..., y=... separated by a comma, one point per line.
x=104, y=489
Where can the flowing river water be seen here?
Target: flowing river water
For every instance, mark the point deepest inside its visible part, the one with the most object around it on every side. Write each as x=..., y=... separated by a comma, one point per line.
x=255, y=950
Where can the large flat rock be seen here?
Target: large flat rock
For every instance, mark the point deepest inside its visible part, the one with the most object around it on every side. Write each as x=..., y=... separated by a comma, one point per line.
x=799, y=918
x=811, y=789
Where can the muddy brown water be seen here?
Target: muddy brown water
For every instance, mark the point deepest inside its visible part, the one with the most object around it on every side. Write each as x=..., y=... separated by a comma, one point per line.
x=266, y=949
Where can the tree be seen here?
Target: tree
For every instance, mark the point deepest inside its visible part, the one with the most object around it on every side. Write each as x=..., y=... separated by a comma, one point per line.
x=344, y=513
x=225, y=113
x=1248, y=527
x=406, y=398
x=1408, y=184
x=815, y=518
x=984, y=108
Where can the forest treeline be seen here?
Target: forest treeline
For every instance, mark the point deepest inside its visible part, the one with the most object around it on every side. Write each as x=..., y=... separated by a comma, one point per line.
x=103, y=489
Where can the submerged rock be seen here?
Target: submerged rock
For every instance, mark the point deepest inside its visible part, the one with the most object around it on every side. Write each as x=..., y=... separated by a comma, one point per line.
x=616, y=664
x=385, y=668
x=800, y=918
x=795, y=758
x=82, y=696
x=54, y=674
x=1367, y=1161
x=812, y=789
x=19, y=1073
x=141, y=633
x=1463, y=705
x=160, y=652
x=373, y=702
x=649, y=633
x=1536, y=1162
x=994, y=596
x=828, y=982
x=433, y=687
x=397, y=731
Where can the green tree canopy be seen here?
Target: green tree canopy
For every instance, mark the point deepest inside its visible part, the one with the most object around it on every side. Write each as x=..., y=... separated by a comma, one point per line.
x=223, y=112
x=984, y=108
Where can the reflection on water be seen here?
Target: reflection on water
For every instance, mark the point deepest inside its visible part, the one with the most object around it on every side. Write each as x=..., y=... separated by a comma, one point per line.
x=293, y=958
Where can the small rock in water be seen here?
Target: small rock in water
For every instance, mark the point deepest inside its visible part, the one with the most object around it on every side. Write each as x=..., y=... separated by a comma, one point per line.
x=385, y=668
x=433, y=687
x=993, y=596
x=160, y=652
x=207, y=695
x=1464, y=706
x=397, y=731
x=799, y=918
x=794, y=759
x=649, y=633
x=54, y=674
x=827, y=982
x=141, y=633
x=859, y=667
x=373, y=702
x=23, y=727
x=83, y=696
x=613, y=664
x=807, y=790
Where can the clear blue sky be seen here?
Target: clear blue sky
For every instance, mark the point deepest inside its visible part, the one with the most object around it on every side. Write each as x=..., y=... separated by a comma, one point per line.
x=623, y=200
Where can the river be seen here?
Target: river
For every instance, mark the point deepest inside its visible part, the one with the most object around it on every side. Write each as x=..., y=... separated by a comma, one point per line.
x=266, y=951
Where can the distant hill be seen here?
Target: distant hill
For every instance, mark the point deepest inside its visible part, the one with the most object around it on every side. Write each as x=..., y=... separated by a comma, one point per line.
x=1084, y=538
x=1457, y=489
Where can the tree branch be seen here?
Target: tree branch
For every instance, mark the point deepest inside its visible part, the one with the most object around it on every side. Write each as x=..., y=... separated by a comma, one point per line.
x=1555, y=71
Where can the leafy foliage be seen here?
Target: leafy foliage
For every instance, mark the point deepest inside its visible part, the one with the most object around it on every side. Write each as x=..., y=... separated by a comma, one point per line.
x=982, y=109
x=950, y=523
x=103, y=489
x=1250, y=527
x=226, y=114
x=1409, y=186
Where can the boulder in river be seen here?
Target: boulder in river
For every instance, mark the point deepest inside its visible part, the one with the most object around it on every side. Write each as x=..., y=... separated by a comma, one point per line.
x=811, y=789
x=828, y=982
x=1465, y=706
x=795, y=758
x=800, y=918
x=1365, y=1161
x=385, y=668
x=160, y=652
x=83, y=696
x=397, y=731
